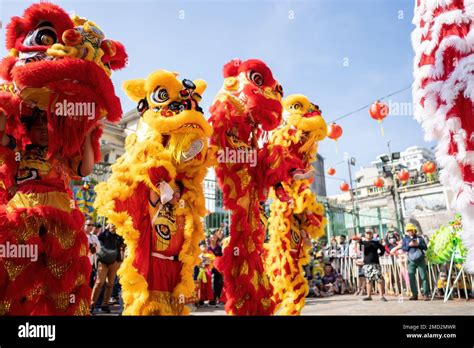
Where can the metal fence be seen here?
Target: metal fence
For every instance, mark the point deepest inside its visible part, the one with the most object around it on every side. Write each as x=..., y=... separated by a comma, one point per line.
x=395, y=272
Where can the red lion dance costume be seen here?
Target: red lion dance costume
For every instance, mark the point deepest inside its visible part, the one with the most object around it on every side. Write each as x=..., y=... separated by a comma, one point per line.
x=248, y=105
x=54, y=61
x=296, y=217
x=443, y=95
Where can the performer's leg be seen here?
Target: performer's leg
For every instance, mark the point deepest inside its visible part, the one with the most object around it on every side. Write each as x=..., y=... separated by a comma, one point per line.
x=109, y=286
x=218, y=284
x=102, y=270
x=92, y=277
x=412, y=275
x=423, y=272
x=369, y=288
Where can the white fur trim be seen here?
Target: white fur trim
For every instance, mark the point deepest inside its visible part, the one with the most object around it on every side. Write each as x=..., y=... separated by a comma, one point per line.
x=432, y=115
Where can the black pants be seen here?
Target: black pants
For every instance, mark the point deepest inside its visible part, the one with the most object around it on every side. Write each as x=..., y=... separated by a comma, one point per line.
x=92, y=277
x=218, y=283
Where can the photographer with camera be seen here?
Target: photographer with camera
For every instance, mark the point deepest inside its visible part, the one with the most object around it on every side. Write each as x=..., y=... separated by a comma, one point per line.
x=109, y=260
x=415, y=246
x=371, y=268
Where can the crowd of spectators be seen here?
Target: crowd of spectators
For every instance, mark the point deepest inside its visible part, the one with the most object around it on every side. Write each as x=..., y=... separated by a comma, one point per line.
x=209, y=281
x=324, y=271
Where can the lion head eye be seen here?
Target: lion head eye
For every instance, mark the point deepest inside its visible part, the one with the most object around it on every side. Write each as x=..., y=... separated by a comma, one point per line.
x=44, y=35
x=256, y=78
x=160, y=95
x=279, y=89
x=297, y=106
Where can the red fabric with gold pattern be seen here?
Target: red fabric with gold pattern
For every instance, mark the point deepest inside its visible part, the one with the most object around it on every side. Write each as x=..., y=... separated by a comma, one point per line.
x=58, y=66
x=247, y=106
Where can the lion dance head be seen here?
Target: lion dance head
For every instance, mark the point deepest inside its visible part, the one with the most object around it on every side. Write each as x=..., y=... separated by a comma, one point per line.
x=303, y=116
x=60, y=66
x=170, y=107
x=249, y=98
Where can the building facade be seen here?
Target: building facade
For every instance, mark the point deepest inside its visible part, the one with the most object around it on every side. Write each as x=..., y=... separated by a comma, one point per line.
x=412, y=159
x=422, y=200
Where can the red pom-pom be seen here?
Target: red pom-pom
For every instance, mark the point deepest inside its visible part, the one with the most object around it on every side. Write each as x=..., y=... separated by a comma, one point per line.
x=232, y=68
x=120, y=57
x=159, y=174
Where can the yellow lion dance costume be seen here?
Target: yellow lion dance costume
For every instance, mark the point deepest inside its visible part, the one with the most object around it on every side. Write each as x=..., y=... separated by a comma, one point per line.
x=154, y=196
x=295, y=216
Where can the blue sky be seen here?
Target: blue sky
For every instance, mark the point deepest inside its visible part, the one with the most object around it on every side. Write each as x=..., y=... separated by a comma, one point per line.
x=342, y=54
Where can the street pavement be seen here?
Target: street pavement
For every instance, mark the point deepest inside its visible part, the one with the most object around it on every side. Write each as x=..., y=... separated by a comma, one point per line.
x=353, y=305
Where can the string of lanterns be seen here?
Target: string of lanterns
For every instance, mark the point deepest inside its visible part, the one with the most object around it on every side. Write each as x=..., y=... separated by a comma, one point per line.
x=377, y=111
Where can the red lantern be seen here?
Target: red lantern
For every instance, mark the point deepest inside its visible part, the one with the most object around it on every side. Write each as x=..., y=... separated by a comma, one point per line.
x=378, y=111
x=334, y=131
x=344, y=187
x=429, y=167
x=403, y=176
x=331, y=171
x=379, y=183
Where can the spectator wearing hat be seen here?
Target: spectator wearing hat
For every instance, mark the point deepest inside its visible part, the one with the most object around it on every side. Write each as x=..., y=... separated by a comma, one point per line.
x=415, y=246
x=372, y=270
x=391, y=242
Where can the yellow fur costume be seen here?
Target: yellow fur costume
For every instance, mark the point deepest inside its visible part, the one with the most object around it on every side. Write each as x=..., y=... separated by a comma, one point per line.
x=172, y=123
x=288, y=247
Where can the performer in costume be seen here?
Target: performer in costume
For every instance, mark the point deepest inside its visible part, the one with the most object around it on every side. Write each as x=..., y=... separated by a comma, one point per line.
x=205, y=274
x=443, y=97
x=163, y=168
x=44, y=146
x=296, y=217
x=247, y=106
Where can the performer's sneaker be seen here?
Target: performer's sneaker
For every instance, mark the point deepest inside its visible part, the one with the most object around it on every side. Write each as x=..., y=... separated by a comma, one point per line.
x=193, y=151
x=105, y=309
x=300, y=174
x=413, y=298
